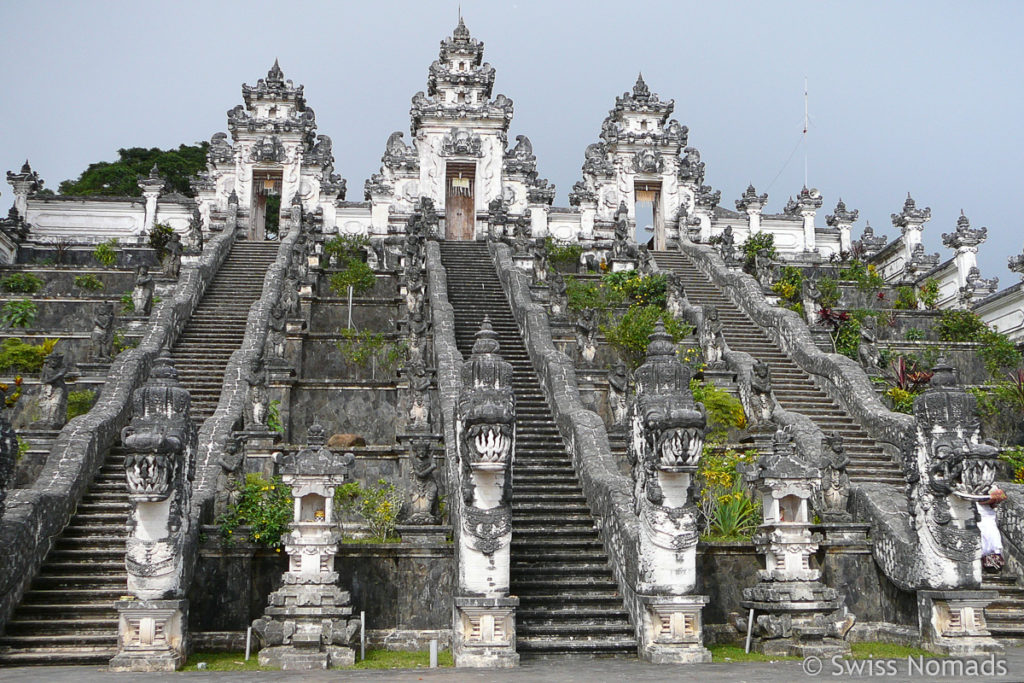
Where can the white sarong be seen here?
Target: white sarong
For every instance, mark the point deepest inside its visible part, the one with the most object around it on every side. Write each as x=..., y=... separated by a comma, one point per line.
x=991, y=541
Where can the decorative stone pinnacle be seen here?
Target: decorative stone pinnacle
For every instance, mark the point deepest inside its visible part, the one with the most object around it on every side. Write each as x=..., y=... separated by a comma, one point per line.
x=911, y=216
x=25, y=168
x=841, y=216
x=751, y=201
x=809, y=197
x=275, y=75
x=1016, y=264
x=943, y=375
x=640, y=89
x=965, y=235
x=486, y=338
x=461, y=33
x=660, y=343
x=315, y=435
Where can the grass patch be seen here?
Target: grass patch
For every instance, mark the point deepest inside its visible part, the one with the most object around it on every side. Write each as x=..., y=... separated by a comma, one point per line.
x=392, y=659
x=375, y=659
x=735, y=653
x=222, y=661
x=887, y=651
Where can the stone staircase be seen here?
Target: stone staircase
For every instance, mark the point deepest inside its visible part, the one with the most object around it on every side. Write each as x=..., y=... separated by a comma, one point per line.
x=217, y=326
x=794, y=388
x=68, y=615
x=569, y=600
x=1005, y=616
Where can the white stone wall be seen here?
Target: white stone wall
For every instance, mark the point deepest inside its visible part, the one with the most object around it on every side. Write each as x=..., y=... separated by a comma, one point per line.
x=87, y=221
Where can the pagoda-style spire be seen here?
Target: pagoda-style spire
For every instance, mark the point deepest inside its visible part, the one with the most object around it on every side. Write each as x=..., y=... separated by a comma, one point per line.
x=640, y=89
x=841, y=216
x=965, y=236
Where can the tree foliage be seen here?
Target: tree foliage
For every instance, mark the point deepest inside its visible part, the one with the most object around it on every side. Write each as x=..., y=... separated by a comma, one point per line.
x=120, y=178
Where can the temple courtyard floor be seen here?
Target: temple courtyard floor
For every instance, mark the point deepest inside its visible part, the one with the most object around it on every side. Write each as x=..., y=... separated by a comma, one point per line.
x=1008, y=666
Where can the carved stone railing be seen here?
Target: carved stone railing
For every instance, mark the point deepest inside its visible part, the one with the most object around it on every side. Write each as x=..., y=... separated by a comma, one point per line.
x=216, y=431
x=609, y=493
x=840, y=377
x=1011, y=525
x=35, y=516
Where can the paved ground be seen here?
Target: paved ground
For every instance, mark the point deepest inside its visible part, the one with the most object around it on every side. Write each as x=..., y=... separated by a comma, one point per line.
x=589, y=671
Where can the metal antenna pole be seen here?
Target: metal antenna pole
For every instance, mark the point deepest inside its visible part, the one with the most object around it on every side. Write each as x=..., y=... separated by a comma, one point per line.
x=806, y=118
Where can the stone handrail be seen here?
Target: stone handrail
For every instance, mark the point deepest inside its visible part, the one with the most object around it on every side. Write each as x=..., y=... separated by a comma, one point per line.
x=1011, y=524
x=36, y=516
x=609, y=494
x=448, y=361
x=216, y=430
x=843, y=379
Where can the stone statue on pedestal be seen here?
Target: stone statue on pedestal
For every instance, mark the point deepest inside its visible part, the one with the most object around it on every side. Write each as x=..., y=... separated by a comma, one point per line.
x=142, y=291
x=618, y=394
x=53, y=393
x=835, y=482
x=421, y=503
x=172, y=256
x=101, y=339
x=258, y=403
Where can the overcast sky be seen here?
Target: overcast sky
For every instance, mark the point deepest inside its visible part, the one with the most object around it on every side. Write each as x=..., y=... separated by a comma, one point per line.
x=904, y=96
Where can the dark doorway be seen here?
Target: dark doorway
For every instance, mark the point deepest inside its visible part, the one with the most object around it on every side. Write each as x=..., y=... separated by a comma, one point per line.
x=460, y=202
x=650, y=227
x=266, y=205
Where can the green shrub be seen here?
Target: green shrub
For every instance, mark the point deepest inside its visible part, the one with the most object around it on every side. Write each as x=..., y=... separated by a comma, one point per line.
x=847, y=339
x=21, y=283
x=127, y=305
x=105, y=253
x=906, y=299
x=724, y=410
x=274, y=417
x=1015, y=456
x=159, y=236
x=19, y=313
x=90, y=283
x=902, y=400
x=378, y=506
x=362, y=348
x=957, y=325
x=829, y=290
x=355, y=274
x=865, y=275
x=80, y=402
x=562, y=255
x=728, y=511
x=344, y=248
x=17, y=356
x=754, y=244
x=265, y=505
x=630, y=332
x=913, y=334
x=647, y=290
x=583, y=294
x=929, y=293
x=790, y=284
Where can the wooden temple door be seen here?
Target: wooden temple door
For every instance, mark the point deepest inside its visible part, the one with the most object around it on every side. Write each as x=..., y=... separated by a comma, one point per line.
x=459, y=202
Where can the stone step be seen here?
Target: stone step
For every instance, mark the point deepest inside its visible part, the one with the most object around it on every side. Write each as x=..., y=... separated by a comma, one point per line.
x=54, y=656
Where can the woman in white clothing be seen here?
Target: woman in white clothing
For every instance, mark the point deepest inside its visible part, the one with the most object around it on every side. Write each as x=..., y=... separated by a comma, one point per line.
x=991, y=541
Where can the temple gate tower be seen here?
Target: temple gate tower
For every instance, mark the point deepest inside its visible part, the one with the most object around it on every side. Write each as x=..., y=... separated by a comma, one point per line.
x=273, y=156
x=458, y=156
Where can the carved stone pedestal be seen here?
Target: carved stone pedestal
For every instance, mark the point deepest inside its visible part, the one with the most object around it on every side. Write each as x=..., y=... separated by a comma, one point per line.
x=151, y=635
x=620, y=265
x=672, y=631
x=424, y=533
x=523, y=262
x=953, y=622
x=797, y=619
x=308, y=624
x=485, y=632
